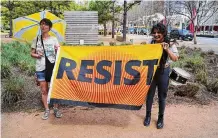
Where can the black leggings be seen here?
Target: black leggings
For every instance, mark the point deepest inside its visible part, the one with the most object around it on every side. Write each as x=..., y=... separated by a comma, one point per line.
x=161, y=81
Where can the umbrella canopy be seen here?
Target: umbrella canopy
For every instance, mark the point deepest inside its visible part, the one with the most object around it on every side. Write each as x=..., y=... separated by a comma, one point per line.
x=27, y=27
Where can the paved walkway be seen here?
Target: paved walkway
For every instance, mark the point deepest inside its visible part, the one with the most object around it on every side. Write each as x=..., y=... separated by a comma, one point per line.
x=181, y=121
x=205, y=44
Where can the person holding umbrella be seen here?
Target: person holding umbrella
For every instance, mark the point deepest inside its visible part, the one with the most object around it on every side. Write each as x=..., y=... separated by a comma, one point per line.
x=44, y=49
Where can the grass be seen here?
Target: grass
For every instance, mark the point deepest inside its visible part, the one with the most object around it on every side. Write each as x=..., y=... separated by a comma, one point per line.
x=15, y=55
x=13, y=90
x=213, y=86
x=193, y=60
x=18, y=55
x=125, y=43
x=5, y=68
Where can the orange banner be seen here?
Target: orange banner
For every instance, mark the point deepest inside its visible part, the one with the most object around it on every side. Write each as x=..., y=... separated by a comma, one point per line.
x=118, y=76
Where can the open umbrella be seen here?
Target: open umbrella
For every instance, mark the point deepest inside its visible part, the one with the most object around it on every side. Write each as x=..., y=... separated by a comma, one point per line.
x=27, y=27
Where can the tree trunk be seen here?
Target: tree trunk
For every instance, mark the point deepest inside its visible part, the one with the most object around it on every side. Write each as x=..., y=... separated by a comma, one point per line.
x=124, y=20
x=11, y=7
x=195, y=37
x=51, y=7
x=105, y=29
x=11, y=26
x=113, y=22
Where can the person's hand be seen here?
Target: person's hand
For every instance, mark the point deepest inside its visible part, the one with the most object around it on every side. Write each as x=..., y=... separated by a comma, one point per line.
x=165, y=46
x=56, y=48
x=40, y=54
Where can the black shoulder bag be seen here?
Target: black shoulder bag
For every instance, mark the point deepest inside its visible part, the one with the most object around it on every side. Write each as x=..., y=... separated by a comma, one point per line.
x=48, y=65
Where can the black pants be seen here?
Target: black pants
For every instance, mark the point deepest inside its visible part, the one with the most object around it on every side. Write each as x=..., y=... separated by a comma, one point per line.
x=161, y=81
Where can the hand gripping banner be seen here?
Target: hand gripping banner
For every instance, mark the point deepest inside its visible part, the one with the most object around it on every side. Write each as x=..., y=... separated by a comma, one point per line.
x=104, y=76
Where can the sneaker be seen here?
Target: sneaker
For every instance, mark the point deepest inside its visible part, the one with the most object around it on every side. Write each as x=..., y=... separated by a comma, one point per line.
x=57, y=113
x=46, y=114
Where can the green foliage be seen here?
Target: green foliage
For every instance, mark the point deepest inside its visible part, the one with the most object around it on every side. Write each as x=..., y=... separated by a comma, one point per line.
x=143, y=43
x=5, y=68
x=14, y=9
x=13, y=90
x=100, y=44
x=201, y=76
x=193, y=59
x=125, y=43
x=213, y=86
x=112, y=43
x=105, y=10
x=196, y=62
x=17, y=54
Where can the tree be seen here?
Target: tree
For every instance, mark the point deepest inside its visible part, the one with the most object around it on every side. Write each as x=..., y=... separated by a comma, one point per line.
x=141, y=14
x=104, y=13
x=115, y=9
x=198, y=12
x=14, y=9
x=10, y=6
x=126, y=8
x=58, y=7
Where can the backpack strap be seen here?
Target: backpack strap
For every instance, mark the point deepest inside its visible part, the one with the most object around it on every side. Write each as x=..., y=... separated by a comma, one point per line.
x=36, y=43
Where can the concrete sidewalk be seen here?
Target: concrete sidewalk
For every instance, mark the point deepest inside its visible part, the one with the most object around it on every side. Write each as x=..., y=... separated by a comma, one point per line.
x=206, y=44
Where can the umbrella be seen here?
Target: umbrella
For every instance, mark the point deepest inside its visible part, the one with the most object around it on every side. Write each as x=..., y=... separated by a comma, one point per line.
x=27, y=27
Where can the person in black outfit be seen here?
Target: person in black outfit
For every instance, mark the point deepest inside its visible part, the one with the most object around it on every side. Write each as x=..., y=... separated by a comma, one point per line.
x=161, y=77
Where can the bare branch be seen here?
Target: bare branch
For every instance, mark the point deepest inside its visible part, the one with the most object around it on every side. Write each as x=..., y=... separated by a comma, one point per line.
x=132, y=4
x=210, y=16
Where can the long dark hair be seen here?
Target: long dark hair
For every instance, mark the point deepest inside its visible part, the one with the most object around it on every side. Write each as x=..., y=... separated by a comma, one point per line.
x=163, y=30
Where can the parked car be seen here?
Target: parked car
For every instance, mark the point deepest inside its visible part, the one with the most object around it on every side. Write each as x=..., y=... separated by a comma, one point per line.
x=141, y=31
x=131, y=30
x=181, y=34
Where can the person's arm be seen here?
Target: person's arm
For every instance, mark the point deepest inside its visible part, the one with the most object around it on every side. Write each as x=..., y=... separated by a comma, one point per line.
x=172, y=54
x=33, y=50
x=34, y=54
x=57, y=45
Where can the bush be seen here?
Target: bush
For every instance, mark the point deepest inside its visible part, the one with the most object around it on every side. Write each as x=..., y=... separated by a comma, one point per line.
x=189, y=90
x=31, y=68
x=203, y=54
x=193, y=59
x=118, y=33
x=213, y=86
x=126, y=43
x=143, y=43
x=100, y=44
x=18, y=55
x=13, y=90
x=112, y=43
x=210, y=52
x=5, y=68
x=201, y=76
x=196, y=62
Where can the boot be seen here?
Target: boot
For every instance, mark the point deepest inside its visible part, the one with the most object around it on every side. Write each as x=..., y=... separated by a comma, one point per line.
x=160, y=122
x=147, y=118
